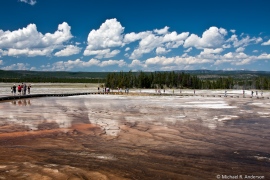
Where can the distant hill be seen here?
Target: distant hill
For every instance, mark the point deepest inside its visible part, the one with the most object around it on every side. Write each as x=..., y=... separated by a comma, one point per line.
x=66, y=76
x=236, y=74
x=52, y=74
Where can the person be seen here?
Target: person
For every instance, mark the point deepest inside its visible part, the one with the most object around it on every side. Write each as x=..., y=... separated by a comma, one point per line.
x=256, y=93
x=98, y=89
x=24, y=89
x=19, y=89
x=14, y=89
x=28, y=88
x=225, y=93
x=252, y=93
x=262, y=93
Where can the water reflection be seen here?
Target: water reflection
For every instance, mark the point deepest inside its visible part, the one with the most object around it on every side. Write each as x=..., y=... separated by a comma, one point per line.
x=110, y=112
x=21, y=102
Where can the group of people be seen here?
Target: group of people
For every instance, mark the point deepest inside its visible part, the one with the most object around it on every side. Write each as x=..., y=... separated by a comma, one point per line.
x=22, y=89
x=252, y=92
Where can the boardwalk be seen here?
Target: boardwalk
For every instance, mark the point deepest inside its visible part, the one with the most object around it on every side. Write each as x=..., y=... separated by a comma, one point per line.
x=6, y=97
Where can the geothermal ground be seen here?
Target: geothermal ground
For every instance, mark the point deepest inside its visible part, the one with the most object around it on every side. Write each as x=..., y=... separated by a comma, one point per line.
x=135, y=137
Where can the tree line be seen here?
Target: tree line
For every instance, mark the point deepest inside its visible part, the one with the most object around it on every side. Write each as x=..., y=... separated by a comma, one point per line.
x=179, y=80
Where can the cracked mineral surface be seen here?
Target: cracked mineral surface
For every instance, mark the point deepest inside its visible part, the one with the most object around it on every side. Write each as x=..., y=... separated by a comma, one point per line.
x=134, y=137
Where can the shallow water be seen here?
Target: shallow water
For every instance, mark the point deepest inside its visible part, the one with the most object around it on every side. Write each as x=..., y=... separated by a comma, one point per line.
x=134, y=137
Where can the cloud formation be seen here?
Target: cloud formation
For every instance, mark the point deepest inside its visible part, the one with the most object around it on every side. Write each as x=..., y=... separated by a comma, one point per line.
x=266, y=43
x=158, y=49
x=68, y=51
x=99, y=41
x=70, y=64
x=212, y=38
x=31, y=2
x=29, y=42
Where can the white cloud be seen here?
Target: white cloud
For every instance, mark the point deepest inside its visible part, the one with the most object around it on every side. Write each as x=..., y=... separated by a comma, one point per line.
x=68, y=51
x=258, y=40
x=264, y=56
x=151, y=41
x=28, y=41
x=233, y=30
x=127, y=49
x=162, y=31
x=70, y=64
x=240, y=49
x=31, y=2
x=164, y=61
x=137, y=63
x=1, y=62
x=132, y=37
x=211, y=51
x=266, y=43
x=109, y=35
x=211, y=38
x=161, y=50
x=103, y=53
x=174, y=40
x=226, y=46
x=188, y=50
x=29, y=52
x=245, y=41
x=255, y=51
x=18, y=66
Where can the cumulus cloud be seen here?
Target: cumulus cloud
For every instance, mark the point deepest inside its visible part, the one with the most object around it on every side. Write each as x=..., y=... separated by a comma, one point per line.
x=244, y=41
x=211, y=51
x=152, y=41
x=29, y=42
x=266, y=43
x=132, y=37
x=18, y=66
x=109, y=35
x=233, y=30
x=164, y=61
x=188, y=50
x=68, y=51
x=264, y=56
x=161, y=50
x=162, y=31
x=31, y=2
x=137, y=63
x=240, y=49
x=103, y=53
x=211, y=38
x=28, y=52
x=70, y=64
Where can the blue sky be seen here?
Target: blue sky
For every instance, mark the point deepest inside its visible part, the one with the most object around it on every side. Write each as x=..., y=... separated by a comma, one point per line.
x=119, y=35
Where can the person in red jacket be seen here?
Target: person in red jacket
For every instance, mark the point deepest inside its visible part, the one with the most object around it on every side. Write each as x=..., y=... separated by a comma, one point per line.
x=19, y=89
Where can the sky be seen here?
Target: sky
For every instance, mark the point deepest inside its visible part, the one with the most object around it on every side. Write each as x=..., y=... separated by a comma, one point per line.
x=121, y=35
